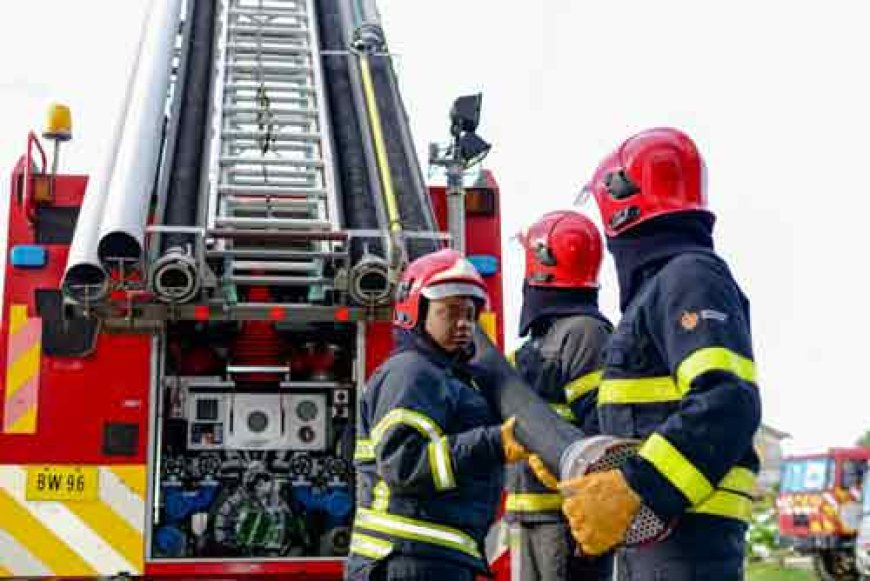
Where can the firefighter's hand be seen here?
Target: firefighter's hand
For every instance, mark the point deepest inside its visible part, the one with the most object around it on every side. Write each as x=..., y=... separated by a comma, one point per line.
x=513, y=450
x=542, y=473
x=599, y=508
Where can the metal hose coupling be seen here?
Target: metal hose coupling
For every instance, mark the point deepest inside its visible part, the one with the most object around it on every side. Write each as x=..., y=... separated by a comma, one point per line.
x=174, y=277
x=601, y=453
x=369, y=281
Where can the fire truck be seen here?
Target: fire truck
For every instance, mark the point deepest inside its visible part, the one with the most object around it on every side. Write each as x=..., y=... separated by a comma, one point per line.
x=185, y=333
x=819, y=507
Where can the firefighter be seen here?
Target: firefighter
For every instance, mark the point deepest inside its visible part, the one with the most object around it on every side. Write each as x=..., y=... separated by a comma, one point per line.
x=678, y=373
x=561, y=362
x=430, y=450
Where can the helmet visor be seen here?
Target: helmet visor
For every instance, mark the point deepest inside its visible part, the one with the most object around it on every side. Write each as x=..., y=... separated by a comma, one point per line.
x=454, y=289
x=583, y=195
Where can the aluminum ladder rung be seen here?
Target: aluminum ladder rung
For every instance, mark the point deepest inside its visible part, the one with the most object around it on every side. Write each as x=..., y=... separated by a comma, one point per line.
x=279, y=204
x=285, y=185
x=275, y=174
x=237, y=30
x=292, y=137
x=274, y=88
x=289, y=254
x=260, y=235
x=270, y=4
x=270, y=43
x=268, y=69
x=278, y=192
x=227, y=160
x=233, y=112
x=251, y=100
x=280, y=98
x=279, y=173
x=256, y=125
x=274, y=83
x=250, y=183
x=272, y=223
x=271, y=215
x=242, y=148
x=240, y=48
x=274, y=118
x=272, y=13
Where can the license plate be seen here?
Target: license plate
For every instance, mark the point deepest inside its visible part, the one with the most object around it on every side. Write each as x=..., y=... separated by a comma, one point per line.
x=62, y=483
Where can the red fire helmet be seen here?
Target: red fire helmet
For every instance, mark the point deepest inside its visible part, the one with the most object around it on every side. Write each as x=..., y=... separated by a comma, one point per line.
x=434, y=276
x=656, y=172
x=563, y=250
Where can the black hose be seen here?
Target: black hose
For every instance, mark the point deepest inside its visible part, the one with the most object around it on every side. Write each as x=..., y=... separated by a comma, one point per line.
x=414, y=208
x=539, y=428
x=360, y=212
x=182, y=201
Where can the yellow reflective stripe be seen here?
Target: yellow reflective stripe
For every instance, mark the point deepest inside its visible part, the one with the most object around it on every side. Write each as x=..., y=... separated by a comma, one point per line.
x=17, y=318
x=381, y=493
x=639, y=390
x=487, y=323
x=26, y=424
x=368, y=546
x=41, y=541
x=365, y=450
x=113, y=529
x=532, y=502
x=726, y=504
x=417, y=530
x=416, y=420
x=133, y=477
x=379, y=143
x=582, y=385
x=23, y=368
x=739, y=479
x=439, y=464
x=671, y=463
x=512, y=358
x=564, y=411
x=514, y=542
x=713, y=358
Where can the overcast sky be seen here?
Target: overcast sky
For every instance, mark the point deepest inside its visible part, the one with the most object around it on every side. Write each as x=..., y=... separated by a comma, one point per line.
x=775, y=93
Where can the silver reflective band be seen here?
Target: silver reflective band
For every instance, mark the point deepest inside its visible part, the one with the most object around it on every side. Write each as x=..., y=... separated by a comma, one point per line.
x=439, y=464
x=365, y=450
x=412, y=529
x=371, y=547
x=416, y=420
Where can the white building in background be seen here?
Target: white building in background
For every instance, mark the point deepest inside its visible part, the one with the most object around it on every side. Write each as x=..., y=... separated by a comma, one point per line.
x=768, y=444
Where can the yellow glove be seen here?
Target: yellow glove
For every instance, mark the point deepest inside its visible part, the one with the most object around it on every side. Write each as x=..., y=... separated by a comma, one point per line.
x=599, y=508
x=544, y=475
x=513, y=450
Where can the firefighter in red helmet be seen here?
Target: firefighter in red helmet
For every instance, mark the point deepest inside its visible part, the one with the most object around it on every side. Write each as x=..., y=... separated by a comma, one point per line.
x=430, y=451
x=560, y=361
x=678, y=373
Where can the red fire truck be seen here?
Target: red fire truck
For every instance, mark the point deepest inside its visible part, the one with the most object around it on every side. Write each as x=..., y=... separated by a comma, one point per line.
x=819, y=507
x=185, y=333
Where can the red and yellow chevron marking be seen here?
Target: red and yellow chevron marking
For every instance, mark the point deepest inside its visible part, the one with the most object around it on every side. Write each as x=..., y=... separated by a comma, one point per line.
x=24, y=351
x=47, y=538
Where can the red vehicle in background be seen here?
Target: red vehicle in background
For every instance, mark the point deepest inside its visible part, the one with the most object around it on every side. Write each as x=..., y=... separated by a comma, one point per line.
x=819, y=507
